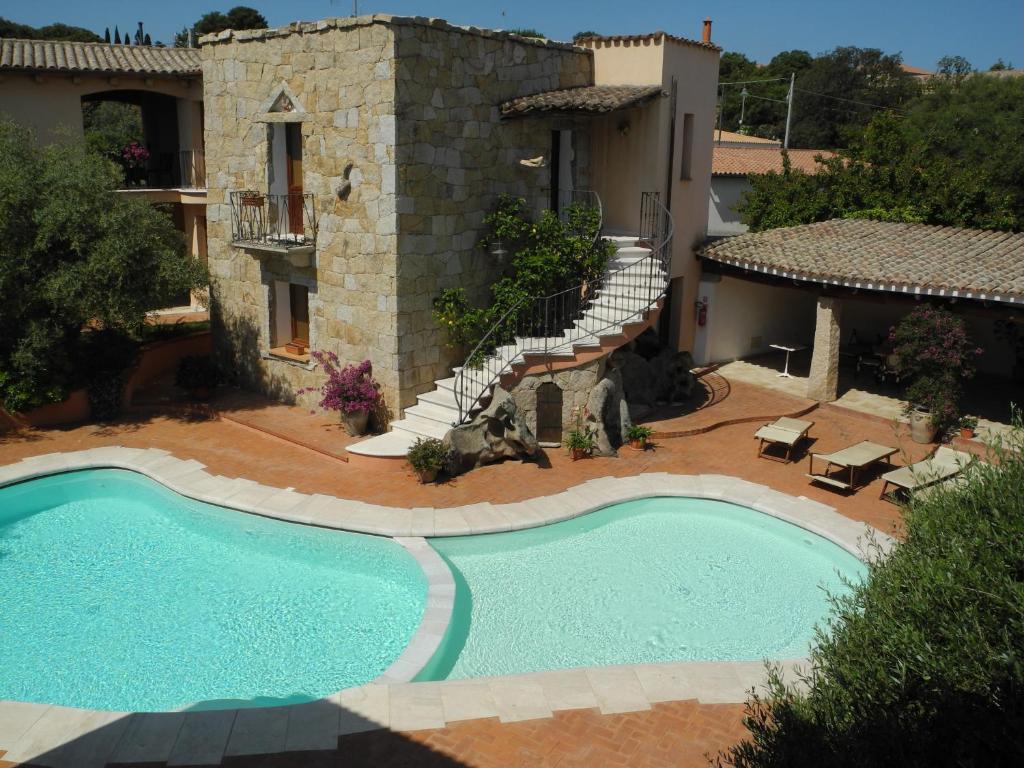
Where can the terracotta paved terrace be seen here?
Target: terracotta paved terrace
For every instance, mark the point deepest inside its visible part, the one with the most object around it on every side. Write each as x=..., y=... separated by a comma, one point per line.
x=286, y=446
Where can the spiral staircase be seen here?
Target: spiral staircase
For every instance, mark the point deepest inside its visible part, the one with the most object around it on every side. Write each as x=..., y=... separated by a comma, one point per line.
x=560, y=331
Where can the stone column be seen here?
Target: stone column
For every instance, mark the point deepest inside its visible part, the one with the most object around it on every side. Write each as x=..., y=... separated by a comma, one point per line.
x=823, y=384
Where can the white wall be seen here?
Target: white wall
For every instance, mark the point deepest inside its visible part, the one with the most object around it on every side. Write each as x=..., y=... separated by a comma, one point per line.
x=726, y=194
x=277, y=170
x=744, y=317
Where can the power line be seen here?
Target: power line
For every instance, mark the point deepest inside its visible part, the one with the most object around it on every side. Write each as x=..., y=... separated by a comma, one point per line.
x=849, y=101
x=748, y=82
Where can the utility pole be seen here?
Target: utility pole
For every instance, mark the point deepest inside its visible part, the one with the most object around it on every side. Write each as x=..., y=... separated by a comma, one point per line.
x=789, y=109
x=355, y=7
x=721, y=92
x=743, y=106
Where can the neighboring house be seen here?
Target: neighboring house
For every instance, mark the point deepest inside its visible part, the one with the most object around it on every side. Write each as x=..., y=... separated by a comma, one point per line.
x=351, y=163
x=919, y=74
x=46, y=84
x=737, y=157
x=840, y=284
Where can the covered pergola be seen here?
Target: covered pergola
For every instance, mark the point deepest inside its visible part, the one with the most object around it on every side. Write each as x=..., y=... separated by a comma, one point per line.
x=874, y=269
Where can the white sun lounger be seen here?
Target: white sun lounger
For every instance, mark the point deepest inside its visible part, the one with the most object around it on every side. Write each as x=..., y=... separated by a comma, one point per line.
x=942, y=465
x=784, y=431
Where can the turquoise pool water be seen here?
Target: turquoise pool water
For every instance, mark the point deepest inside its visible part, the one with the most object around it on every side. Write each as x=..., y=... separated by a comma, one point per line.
x=661, y=579
x=116, y=593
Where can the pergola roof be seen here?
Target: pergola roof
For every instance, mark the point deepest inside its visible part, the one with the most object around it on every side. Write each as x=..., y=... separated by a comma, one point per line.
x=64, y=56
x=590, y=99
x=909, y=259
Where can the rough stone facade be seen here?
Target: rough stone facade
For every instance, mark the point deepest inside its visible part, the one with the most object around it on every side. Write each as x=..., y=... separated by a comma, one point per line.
x=411, y=105
x=823, y=382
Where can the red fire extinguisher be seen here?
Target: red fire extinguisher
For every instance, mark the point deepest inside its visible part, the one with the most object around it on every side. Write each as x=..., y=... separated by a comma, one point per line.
x=702, y=311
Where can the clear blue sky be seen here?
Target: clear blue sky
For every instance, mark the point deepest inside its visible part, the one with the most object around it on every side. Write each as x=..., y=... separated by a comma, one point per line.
x=923, y=30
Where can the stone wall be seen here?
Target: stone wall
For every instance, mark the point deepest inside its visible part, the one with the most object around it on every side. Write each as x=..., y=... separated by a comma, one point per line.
x=455, y=157
x=412, y=105
x=340, y=77
x=576, y=385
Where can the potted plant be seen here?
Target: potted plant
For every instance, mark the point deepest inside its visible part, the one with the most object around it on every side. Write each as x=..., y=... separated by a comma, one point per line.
x=198, y=375
x=638, y=435
x=349, y=389
x=967, y=426
x=934, y=354
x=581, y=442
x=428, y=456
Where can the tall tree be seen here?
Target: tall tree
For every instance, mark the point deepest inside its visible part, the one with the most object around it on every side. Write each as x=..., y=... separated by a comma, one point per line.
x=951, y=157
x=76, y=255
x=239, y=17
x=49, y=32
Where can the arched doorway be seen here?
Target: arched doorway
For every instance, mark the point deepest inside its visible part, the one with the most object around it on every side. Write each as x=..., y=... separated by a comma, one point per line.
x=549, y=413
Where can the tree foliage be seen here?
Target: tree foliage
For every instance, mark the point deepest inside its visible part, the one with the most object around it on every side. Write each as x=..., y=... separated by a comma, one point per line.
x=826, y=112
x=923, y=664
x=75, y=258
x=10, y=28
x=110, y=126
x=239, y=17
x=953, y=158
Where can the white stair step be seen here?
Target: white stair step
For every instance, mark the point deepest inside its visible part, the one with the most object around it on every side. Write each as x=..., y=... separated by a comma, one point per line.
x=608, y=315
x=444, y=398
x=448, y=383
x=442, y=414
x=632, y=252
x=621, y=303
x=420, y=427
x=621, y=239
x=595, y=330
x=388, y=445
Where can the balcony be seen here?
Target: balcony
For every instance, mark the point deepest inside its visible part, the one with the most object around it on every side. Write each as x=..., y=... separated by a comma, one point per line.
x=282, y=224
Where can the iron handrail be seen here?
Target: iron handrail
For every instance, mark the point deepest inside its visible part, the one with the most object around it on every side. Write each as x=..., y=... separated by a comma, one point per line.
x=551, y=325
x=282, y=220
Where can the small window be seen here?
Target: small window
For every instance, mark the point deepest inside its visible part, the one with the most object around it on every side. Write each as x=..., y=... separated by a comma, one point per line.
x=289, y=321
x=685, y=161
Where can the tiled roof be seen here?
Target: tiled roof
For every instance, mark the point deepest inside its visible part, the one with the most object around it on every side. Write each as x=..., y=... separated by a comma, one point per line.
x=731, y=137
x=64, y=56
x=742, y=161
x=591, y=98
x=659, y=35
x=886, y=256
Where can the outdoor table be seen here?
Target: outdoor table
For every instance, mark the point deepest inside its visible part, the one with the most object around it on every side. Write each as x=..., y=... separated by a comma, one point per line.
x=787, y=349
x=854, y=458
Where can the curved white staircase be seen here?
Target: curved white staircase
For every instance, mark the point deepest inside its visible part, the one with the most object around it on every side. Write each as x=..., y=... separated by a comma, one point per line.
x=627, y=300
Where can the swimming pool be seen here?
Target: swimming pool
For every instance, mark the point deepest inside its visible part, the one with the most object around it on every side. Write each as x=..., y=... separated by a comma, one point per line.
x=659, y=579
x=120, y=594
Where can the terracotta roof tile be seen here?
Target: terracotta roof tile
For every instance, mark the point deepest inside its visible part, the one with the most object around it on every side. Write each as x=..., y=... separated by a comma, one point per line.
x=592, y=98
x=886, y=256
x=730, y=137
x=659, y=35
x=742, y=161
x=65, y=56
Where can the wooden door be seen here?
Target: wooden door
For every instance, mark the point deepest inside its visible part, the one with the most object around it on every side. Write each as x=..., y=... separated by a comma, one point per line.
x=298, y=298
x=293, y=151
x=549, y=413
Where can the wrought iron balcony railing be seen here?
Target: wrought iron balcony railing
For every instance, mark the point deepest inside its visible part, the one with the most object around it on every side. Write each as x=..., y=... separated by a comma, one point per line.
x=274, y=222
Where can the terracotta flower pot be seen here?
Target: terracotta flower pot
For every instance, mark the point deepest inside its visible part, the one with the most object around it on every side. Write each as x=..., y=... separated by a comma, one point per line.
x=355, y=422
x=967, y=432
x=427, y=475
x=638, y=444
x=578, y=453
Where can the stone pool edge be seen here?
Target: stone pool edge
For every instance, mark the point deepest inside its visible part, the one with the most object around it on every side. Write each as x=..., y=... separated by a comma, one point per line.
x=57, y=735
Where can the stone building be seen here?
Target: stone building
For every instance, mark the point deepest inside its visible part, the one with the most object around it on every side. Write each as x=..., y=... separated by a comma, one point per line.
x=351, y=163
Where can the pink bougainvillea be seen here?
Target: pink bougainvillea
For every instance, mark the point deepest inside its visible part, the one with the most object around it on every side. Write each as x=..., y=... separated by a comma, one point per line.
x=348, y=388
x=135, y=155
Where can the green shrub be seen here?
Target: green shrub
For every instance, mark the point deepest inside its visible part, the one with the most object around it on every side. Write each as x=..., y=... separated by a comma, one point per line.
x=638, y=432
x=924, y=663
x=196, y=372
x=428, y=453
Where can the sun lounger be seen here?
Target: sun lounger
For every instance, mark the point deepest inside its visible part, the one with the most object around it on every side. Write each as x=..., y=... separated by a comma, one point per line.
x=854, y=458
x=784, y=431
x=943, y=465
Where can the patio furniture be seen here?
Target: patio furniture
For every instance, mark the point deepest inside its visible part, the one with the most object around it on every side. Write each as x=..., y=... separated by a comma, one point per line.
x=783, y=431
x=856, y=457
x=787, y=348
x=943, y=465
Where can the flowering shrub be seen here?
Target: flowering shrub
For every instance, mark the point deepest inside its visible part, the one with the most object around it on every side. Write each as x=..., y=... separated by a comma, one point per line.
x=934, y=352
x=349, y=388
x=135, y=155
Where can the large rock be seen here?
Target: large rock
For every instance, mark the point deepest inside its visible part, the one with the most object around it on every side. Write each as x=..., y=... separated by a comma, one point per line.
x=663, y=378
x=608, y=413
x=496, y=433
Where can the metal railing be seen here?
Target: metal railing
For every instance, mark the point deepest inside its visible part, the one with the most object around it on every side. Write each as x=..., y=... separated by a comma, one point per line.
x=553, y=325
x=281, y=221
x=192, y=169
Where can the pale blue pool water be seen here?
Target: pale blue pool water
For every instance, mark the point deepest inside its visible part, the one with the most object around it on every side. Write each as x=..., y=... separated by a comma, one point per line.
x=661, y=579
x=116, y=593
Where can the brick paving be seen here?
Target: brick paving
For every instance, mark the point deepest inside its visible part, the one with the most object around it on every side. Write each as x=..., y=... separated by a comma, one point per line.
x=678, y=733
